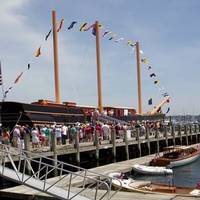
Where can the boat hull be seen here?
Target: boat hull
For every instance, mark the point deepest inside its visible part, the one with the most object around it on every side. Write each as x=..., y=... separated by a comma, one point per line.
x=182, y=162
x=151, y=170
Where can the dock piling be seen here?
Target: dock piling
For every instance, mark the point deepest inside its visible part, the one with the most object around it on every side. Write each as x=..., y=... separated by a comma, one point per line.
x=77, y=149
x=148, y=141
x=138, y=140
x=27, y=146
x=173, y=134
x=97, y=145
x=166, y=135
x=54, y=149
x=126, y=144
x=186, y=133
x=157, y=141
x=180, y=134
x=113, y=141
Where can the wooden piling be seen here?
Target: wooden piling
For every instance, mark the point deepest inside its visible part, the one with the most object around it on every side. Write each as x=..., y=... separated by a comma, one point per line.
x=180, y=134
x=27, y=146
x=166, y=135
x=173, y=134
x=77, y=149
x=138, y=140
x=96, y=141
x=148, y=141
x=126, y=144
x=113, y=141
x=186, y=134
x=157, y=141
x=53, y=148
x=190, y=132
x=196, y=134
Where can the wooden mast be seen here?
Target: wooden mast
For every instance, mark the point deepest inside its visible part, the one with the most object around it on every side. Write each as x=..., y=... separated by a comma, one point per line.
x=139, y=78
x=55, y=52
x=99, y=81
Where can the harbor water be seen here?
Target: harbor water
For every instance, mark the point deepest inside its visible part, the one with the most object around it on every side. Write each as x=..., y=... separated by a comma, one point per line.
x=187, y=176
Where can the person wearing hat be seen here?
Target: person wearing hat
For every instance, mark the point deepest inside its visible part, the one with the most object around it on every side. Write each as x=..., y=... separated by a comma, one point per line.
x=16, y=136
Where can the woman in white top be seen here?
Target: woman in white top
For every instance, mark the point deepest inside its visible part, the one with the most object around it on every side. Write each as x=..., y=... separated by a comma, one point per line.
x=35, y=138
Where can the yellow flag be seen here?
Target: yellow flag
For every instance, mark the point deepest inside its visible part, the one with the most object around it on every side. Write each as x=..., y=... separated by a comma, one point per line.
x=145, y=61
x=83, y=26
x=38, y=52
x=129, y=42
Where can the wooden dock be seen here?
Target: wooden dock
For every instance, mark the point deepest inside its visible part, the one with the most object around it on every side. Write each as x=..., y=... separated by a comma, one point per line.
x=153, y=141
x=23, y=192
x=170, y=136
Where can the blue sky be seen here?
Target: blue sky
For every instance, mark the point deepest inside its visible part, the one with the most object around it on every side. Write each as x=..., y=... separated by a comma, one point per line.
x=168, y=32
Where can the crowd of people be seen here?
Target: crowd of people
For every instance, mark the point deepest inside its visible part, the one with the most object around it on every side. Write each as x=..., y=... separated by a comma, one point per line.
x=41, y=134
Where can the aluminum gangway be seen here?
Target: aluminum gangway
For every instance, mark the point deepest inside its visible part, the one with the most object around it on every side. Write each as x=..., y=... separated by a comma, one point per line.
x=34, y=170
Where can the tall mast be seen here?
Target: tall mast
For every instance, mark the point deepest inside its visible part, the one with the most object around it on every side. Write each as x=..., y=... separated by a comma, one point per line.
x=99, y=81
x=139, y=78
x=55, y=52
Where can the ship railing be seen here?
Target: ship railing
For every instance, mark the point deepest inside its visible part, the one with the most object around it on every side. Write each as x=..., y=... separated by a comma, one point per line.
x=106, y=118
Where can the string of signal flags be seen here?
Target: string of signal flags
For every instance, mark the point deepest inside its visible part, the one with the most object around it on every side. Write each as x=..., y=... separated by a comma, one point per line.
x=105, y=33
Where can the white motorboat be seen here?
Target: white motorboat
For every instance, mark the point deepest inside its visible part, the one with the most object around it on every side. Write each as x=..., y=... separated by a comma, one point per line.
x=122, y=182
x=175, y=156
x=152, y=170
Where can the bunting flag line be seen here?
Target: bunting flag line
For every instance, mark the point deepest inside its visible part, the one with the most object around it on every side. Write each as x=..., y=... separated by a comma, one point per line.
x=150, y=101
x=94, y=31
x=168, y=109
x=130, y=43
x=149, y=67
x=106, y=33
x=17, y=79
x=145, y=61
x=38, y=52
x=89, y=27
x=83, y=26
x=152, y=75
x=60, y=25
x=71, y=25
x=112, y=37
x=48, y=34
x=165, y=94
x=156, y=82
x=1, y=80
x=141, y=52
x=29, y=65
x=120, y=39
x=6, y=92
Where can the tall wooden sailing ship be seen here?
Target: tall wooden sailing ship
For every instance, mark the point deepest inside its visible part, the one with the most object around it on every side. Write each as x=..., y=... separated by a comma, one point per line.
x=45, y=112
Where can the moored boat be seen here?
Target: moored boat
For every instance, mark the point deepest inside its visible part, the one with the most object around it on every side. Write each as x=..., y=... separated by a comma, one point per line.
x=151, y=170
x=121, y=181
x=125, y=183
x=175, y=156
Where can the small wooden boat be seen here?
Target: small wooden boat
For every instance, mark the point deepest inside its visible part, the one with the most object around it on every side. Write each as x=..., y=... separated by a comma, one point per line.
x=121, y=181
x=175, y=156
x=131, y=185
x=151, y=170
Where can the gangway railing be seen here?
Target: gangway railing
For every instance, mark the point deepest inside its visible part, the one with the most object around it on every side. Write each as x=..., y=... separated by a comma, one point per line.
x=105, y=118
x=35, y=171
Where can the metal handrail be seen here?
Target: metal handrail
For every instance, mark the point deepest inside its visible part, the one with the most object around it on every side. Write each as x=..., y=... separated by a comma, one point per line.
x=87, y=177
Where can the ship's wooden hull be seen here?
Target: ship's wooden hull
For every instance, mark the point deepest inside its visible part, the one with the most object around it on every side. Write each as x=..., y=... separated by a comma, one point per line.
x=30, y=114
